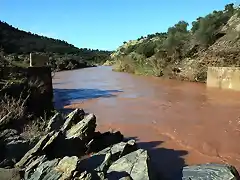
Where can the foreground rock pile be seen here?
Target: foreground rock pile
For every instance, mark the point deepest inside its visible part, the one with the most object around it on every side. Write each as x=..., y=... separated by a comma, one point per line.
x=71, y=149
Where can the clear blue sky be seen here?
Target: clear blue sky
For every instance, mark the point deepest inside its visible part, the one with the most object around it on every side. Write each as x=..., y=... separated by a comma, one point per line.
x=102, y=24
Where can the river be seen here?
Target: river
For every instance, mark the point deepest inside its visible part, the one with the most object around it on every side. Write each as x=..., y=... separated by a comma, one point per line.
x=180, y=123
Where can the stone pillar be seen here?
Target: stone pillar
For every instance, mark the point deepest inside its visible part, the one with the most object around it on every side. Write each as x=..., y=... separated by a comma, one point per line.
x=44, y=75
x=38, y=60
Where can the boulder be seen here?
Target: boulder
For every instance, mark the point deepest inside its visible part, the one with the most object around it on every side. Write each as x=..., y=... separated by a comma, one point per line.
x=210, y=171
x=51, y=141
x=33, y=165
x=55, y=169
x=83, y=176
x=66, y=147
x=8, y=133
x=16, y=149
x=120, y=149
x=72, y=118
x=36, y=150
x=119, y=176
x=55, y=123
x=7, y=163
x=83, y=129
x=11, y=174
x=13, y=147
x=135, y=164
x=101, y=141
x=99, y=163
x=46, y=171
x=67, y=166
x=95, y=164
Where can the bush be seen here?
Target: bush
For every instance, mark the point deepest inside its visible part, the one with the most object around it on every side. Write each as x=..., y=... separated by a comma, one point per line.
x=124, y=64
x=147, y=49
x=34, y=129
x=12, y=111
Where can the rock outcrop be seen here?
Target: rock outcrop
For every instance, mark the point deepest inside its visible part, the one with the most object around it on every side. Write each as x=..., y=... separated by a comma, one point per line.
x=210, y=171
x=72, y=150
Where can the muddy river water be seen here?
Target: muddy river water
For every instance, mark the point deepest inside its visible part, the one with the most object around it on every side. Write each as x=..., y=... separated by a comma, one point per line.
x=180, y=123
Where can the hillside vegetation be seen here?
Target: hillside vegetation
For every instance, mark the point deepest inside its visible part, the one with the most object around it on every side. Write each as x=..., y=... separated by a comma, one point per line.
x=15, y=46
x=182, y=53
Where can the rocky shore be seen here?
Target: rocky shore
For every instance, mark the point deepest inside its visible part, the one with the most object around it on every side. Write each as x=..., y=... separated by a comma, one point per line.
x=71, y=149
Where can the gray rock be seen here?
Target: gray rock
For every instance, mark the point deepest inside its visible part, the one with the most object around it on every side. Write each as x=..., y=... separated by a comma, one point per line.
x=67, y=166
x=16, y=149
x=35, y=150
x=11, y=174
x=46, y=171
x=210, y=172
x=13, y=147
x=72, y=118
x=83, y=176
x=7, y=133
x=7, y=163
x=114, y=175
x=51, y=140
x=33, y=165
x=135, y=164
x=55, y=169
x=101, y=161
x=83, y=129
x=95, y=164
x=120, y=149
x=55, y=123
x=101, y=141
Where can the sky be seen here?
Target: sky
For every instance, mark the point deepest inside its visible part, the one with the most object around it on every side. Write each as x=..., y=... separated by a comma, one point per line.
x=102, y=24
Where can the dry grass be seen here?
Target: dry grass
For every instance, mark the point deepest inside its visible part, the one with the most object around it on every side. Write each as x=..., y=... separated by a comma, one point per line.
x=15, y=109
x=34, y=129
x=124, y=64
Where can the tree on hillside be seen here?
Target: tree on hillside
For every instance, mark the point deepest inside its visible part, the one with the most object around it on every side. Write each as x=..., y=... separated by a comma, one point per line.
x=177, y=36
x=18, y=42
x=147, y=49
x=195, y=25
x=206, y=29
x=229, y=8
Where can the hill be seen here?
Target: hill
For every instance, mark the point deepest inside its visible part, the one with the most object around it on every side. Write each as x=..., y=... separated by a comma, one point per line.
x=185, y=54
x=16, y=45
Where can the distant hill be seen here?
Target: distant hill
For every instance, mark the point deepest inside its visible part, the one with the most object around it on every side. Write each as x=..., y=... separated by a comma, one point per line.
x=17, y=44
x=213, y=40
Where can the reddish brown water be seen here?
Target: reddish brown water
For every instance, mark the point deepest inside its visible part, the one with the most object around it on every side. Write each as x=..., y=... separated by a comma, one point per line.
x=180, y=123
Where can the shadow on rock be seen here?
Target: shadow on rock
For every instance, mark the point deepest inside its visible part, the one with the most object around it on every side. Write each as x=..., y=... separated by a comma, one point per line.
x=114, y=175
x=88, y=164
x=167, y=162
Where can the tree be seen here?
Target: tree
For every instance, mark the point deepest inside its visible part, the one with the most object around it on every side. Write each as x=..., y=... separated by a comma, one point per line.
x=205, y=33
x=13, y=40
x=177, y=36
x=229, y=8
x=195, y=25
